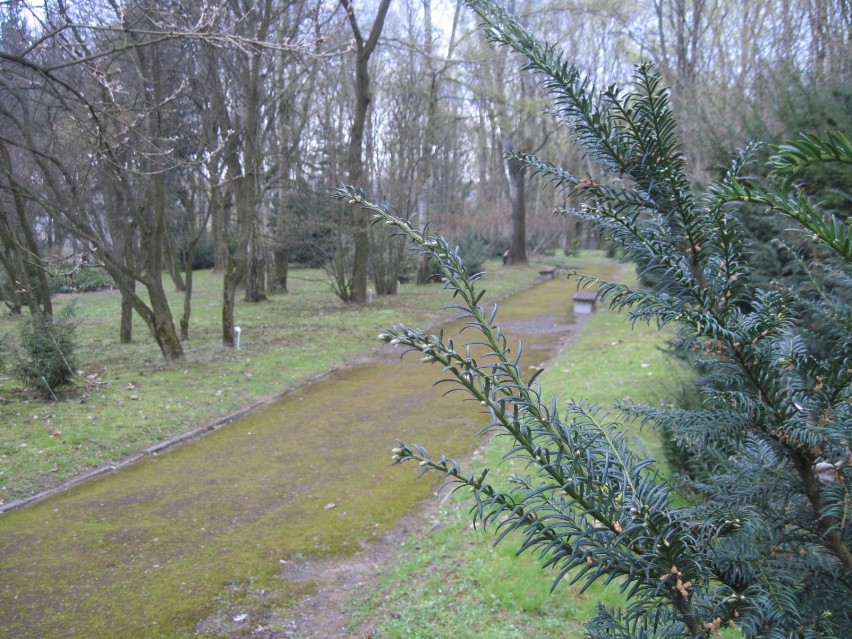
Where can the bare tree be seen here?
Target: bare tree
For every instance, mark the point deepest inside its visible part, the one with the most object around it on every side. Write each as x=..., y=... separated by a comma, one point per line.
x=364, y=49
x=107, y=183
x=116, y=74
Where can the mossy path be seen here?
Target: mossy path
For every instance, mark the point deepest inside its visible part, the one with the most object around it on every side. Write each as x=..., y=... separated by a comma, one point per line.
x=167, y=546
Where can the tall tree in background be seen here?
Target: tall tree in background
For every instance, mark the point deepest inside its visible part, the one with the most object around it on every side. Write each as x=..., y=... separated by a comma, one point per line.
x=240, y=101
x=364, y=49
x=413, y=126
x=247, y=86
x=21, y=258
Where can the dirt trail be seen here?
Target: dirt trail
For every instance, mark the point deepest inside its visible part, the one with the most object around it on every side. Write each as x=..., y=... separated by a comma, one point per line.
x=261, y=529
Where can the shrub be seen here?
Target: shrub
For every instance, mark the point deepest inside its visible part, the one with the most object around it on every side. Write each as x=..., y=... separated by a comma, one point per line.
x=203, y=257
x=86, y=279
x=768, y=548
x=44, y=359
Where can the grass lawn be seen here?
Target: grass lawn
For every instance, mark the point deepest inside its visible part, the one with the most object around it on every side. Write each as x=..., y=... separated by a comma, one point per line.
x=448, y=580
x=452, y=581
x=128, y=398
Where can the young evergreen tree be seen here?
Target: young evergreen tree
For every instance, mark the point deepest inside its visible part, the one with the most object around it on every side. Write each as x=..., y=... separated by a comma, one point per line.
x=766, y=549
x=45, y=358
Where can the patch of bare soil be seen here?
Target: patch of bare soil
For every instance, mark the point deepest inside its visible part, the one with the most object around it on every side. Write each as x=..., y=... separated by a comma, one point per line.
x=325, y=614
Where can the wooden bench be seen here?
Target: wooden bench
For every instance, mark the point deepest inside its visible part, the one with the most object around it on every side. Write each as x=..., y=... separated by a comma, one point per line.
x=548, y=273
x=584, y=302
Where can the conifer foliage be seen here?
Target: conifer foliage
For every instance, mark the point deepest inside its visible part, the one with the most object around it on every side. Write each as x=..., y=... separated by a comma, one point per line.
x=45, y=358
x=767, y=545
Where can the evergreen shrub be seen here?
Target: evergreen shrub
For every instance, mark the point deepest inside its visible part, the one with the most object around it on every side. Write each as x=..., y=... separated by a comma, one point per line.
x=766, y=547
x=86, y=279
x=45, y=357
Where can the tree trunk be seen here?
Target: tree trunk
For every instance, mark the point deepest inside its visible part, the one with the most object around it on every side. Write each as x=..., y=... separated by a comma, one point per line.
x=218, y=219
x=40, y=291
x=361, y=231
x=152, y=217
x=164, y=326
x=229, y=291
x=423, y=270
x=187, y=294
x=388, y=252
x=245, y=167
x=126, y=327
x=170, y=257
x=517, y=196
x=21, y=281
x=280, y=268
x=160, y=321
x=360, y=226
x=255, y=280
x=236, y=265
x=35, y=291
x=13, y=299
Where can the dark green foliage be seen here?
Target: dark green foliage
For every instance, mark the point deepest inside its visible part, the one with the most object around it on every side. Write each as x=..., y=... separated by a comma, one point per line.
x=311, y=217
x=45, y=358
x=203, y=258
x=768, y=546
x=86, y=279
x=781, y=256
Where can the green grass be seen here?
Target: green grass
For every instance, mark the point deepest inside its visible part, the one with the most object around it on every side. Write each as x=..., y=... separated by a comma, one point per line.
x=128, y=398
x=452, y=581
x=178, y=541
x=447, y=582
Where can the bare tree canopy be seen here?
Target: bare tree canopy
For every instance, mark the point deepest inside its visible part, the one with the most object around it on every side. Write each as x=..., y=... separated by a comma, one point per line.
x=140, y=135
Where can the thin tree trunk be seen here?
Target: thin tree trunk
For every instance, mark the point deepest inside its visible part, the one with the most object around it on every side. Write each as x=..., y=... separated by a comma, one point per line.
x=363, y=97
x=164, y=325
x=170, y=257
x=219, y=222
x=360, y=230
x=255, y=280
x=423, y=271
x=187, y=294
x=517, y=196
x=126, y=326
x=280, y=270
x=35, y=292
x=229, y=291
x=13, y=299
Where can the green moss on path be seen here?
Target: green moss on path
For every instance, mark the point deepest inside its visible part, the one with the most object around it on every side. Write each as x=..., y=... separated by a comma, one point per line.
x=160, y=546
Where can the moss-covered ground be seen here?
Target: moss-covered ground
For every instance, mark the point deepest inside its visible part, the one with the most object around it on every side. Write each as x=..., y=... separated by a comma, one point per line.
x=201, y=530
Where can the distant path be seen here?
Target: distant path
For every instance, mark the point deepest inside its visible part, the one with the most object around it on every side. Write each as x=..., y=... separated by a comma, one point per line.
x=217, y=537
